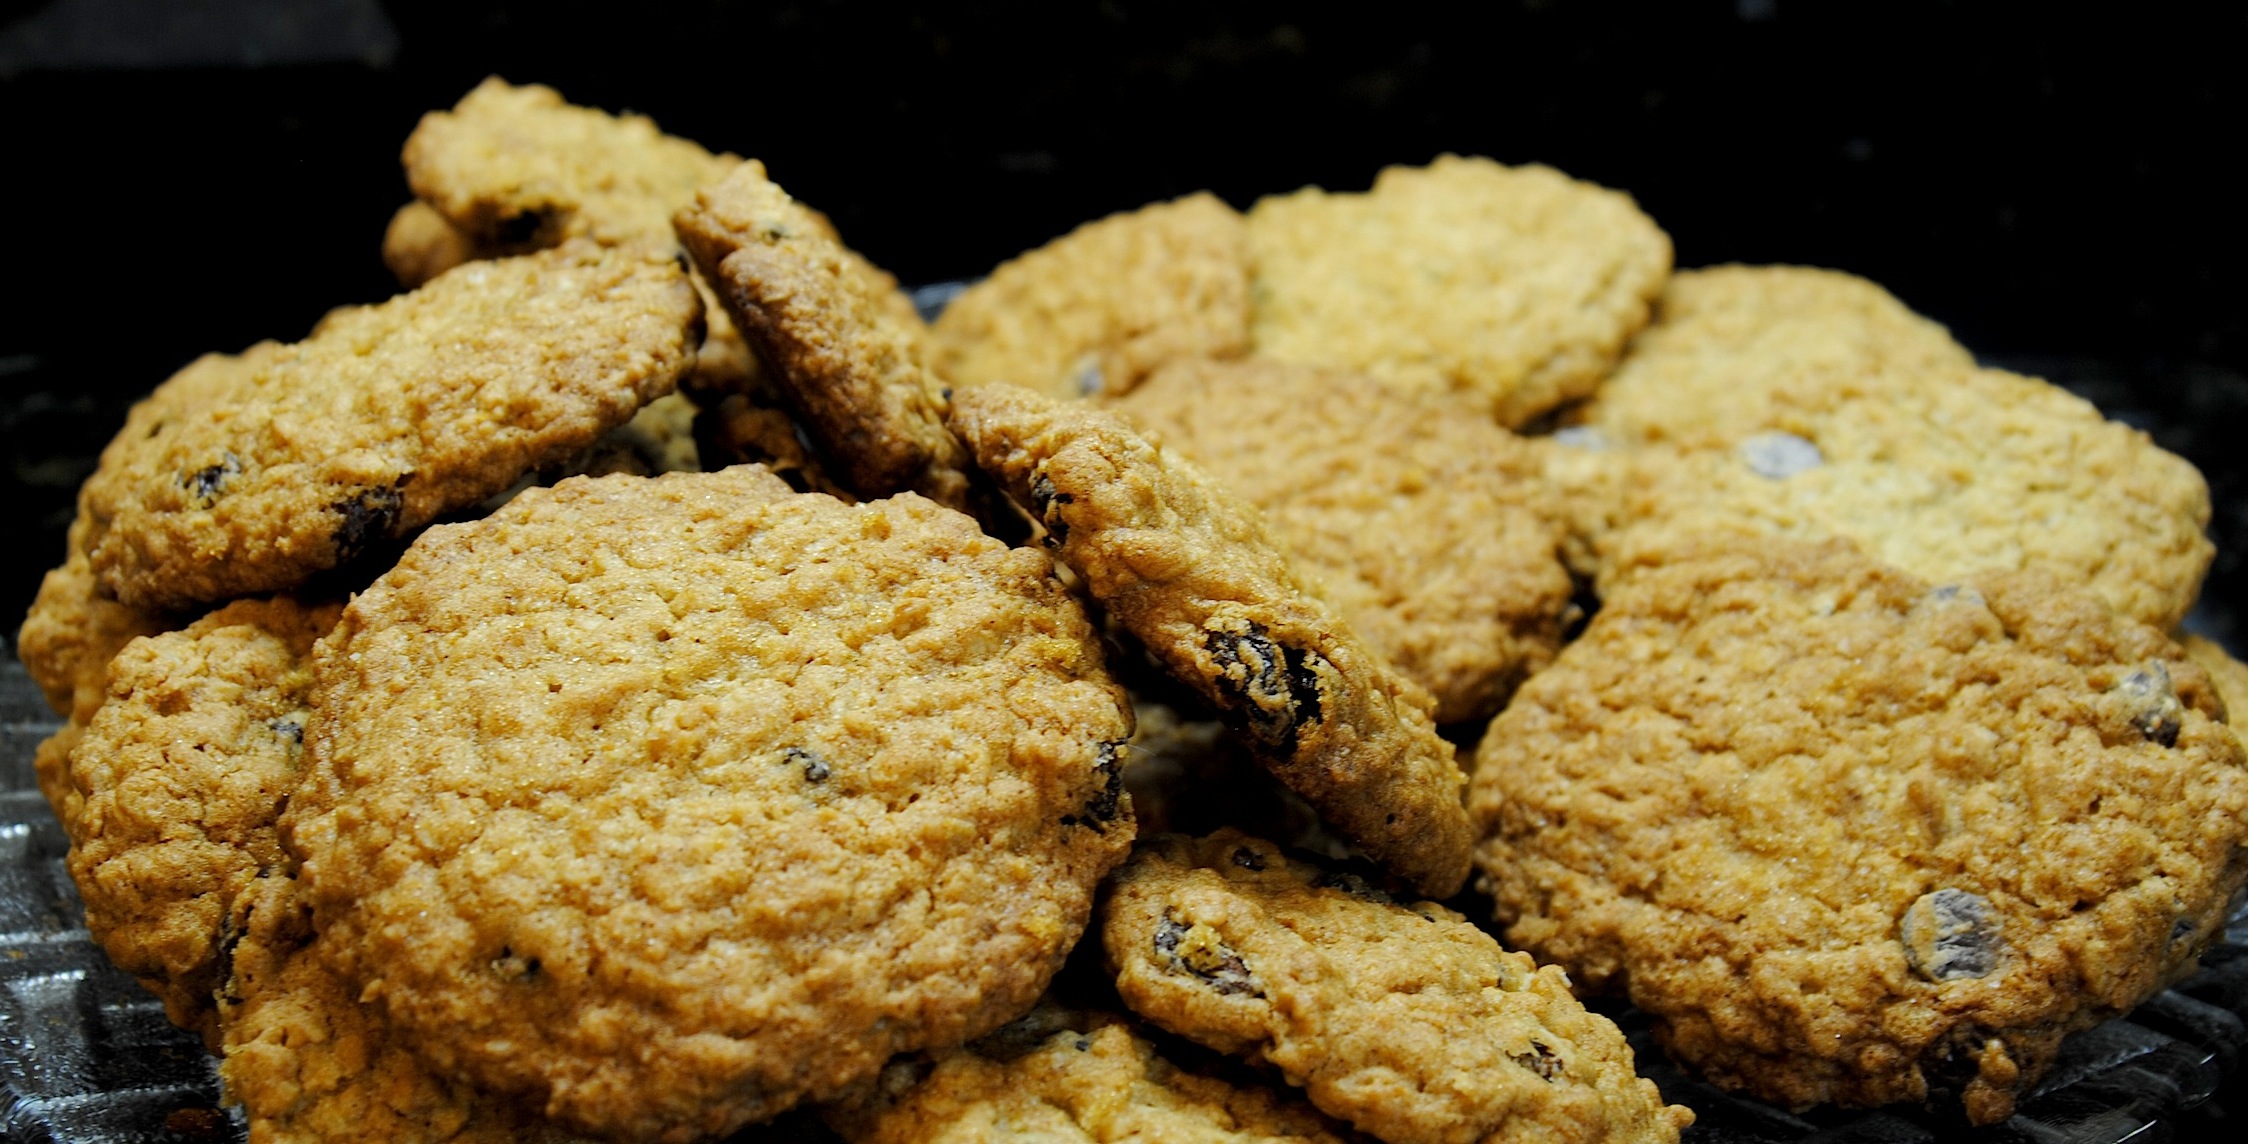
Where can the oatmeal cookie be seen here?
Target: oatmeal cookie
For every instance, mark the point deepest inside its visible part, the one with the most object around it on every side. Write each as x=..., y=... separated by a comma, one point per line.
x=1426, y=524
x=310, y=1063
x=1191, y=571
x=72, y=632
x=1945, y=476
x=1060, y=1075
x=669, y=803
x=749, y=429
x=845, y=347
x=176, y=784
x=420, y=244
x=1853, y=838
x=1101, y=307
x=2229, y=675
x=1518, y=285
x=1404, y=1019
x=1191, y=776
x=385, y=417
x=1730, y=344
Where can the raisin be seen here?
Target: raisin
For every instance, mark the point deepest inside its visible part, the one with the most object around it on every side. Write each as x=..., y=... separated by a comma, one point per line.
x=1043, y=498
x=1778, y=456
x=1278, y=686
x=204, y=485
x=2152, y=703
x=1108, y=801
x=1247, y=859
x=1541, y=1059
x=1195, y=950
x=368, y=516
x=289, y=727
x=816, y=769
x=1951, y=934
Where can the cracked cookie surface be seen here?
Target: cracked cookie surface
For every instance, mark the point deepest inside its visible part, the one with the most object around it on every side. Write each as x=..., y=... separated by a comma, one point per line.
x=385, y=417
x=669, y=803
x=1426, y=524
x=1855, y=838
x=1098, y=309
x=1516, y=285
x=1402, y=1018
x=1190, y=570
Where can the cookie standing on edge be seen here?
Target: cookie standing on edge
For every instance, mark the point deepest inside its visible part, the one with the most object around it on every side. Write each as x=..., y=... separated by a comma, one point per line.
x=384, y=418
x=1101, y=307
x=1058, y=1075
x=1517, y=285
x=1426, y=524
x=843, y=343
x=175, y=786
x=1853, y=838
x=1405, y=1020
x=1190, y=570
x=667, y=804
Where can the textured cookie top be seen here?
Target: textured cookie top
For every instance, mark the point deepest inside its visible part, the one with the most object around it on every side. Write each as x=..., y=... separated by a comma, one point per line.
x=1059, y=1076
x=1190, y=570
x=1730, y=344
x=1518, y=285
x=845, y=348
x=669, y=803
x=1425, y=523
x=177, y=783
x=1097, y=309
x=1854, y=838
x=385, y=417
x=310, y=1064
x=517, y=168
x=2229, y=675
x=71, y=632
x=1405, y=1020
x=1945, y=476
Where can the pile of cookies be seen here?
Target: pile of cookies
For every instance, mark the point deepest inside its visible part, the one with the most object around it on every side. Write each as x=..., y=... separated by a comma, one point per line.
x=644, y=680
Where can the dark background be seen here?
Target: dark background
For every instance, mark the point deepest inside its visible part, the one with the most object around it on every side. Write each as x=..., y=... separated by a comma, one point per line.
x=191, y=175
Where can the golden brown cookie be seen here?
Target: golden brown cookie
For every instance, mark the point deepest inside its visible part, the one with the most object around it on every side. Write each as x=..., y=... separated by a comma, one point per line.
x=516, y=168
x=176, y=785
x=1780, y=400
x=420, y=244
x=1730, y=344
x=1191, y=571
x=1101, y=307
x=385, y=417
x=1062, y=1076
x=671, y=803
x=1426, y=524
x=71, y=632
x=1191, y=776
x=1404, y=1019
x=845, y=348
x=1517, y=285
x=309, y=1062
x=1854, y=838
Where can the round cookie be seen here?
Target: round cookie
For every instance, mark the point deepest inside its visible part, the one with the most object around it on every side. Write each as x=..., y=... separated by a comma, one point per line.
x=1405, y=1020
x=669, y=803
x=1853, y=838
x=845, y=348
x=1191, y=571
x=1058, y=1075
x=1101, y=307
x=176, y=784
x=309, y=1063
x=420, y=244
x=2229, y=675
x=384, y=418
x=1426, y=524
x=1730, y=343
x=1944, y=476
x=1517, y=285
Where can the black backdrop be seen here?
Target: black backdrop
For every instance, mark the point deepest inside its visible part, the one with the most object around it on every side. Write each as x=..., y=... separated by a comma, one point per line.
x=184, y=175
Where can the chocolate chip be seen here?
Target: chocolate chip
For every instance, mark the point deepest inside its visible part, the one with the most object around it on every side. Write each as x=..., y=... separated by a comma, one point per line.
x=1108, y=801
x=1202, y=955
x=2152, y=703
x=815, y=768
x=1278, y=687
x=205, y=484
x=1247, y=859
x=1541, y=1060
x=368, y=516
x=1779, y=456
x=1951, y=934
